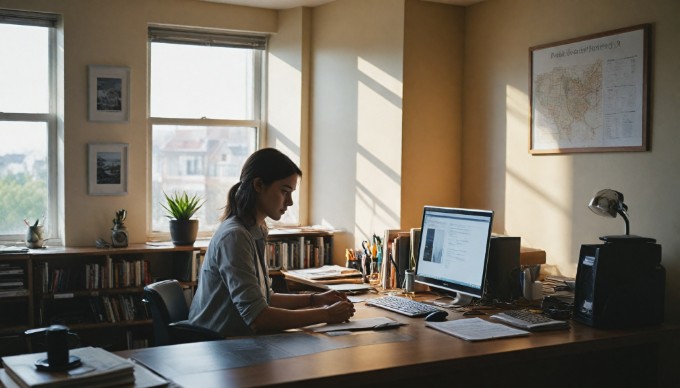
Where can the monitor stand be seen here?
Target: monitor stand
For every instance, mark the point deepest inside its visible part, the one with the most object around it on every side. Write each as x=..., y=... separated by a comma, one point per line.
x=457, y=300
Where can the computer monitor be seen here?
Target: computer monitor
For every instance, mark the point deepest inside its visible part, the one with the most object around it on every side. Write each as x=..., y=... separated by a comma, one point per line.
x=454, y=250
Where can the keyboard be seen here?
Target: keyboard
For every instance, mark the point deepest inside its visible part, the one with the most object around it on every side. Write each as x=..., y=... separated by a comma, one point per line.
x=527, y=320
x=403, y=306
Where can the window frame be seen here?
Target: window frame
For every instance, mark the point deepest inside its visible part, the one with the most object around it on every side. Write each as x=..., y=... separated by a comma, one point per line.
x=51, y=22
x=193, y=35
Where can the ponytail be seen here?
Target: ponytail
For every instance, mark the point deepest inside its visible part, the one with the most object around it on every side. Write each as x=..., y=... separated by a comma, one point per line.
x=230, y=209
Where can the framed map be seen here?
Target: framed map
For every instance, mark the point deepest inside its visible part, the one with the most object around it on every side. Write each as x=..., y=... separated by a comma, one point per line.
x=589, y=94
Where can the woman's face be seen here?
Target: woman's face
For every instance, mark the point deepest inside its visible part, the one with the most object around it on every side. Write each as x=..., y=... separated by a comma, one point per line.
x=274, y=199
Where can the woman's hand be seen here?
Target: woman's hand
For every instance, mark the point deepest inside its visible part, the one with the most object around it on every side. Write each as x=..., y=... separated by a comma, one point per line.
x=327, y=298
x=340, y=312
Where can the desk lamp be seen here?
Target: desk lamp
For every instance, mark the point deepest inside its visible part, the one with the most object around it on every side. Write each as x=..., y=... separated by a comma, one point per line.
x=609, y=203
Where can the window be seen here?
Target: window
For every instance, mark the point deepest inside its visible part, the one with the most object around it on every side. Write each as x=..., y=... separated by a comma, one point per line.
x=28, y=187
x=205, y=107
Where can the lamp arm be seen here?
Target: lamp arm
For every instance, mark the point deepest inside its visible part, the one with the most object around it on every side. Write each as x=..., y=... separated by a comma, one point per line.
x=623, y=215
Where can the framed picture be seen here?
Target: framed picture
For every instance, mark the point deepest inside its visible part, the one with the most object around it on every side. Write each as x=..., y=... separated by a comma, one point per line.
x=589, y=94
x=108, y=93
x=107, y=169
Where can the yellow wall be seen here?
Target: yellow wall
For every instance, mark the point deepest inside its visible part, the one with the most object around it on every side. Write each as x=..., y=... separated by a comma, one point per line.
x=104, y=32
x=288, y=90
x=544, y=199
x=432, y=124
x=356, y=118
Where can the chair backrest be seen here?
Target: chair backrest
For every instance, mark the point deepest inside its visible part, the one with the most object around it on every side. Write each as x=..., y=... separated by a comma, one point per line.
x=168, y=305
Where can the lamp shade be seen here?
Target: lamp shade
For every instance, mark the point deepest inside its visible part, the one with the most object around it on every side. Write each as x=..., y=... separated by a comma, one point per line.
x=608, y=202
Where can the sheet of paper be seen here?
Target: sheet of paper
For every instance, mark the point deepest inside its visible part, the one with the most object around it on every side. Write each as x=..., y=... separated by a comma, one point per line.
x=358, y=324
x=476, y=329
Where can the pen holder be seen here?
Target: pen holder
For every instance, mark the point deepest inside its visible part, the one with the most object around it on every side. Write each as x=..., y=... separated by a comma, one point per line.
x=34, y=237
x=408, y=281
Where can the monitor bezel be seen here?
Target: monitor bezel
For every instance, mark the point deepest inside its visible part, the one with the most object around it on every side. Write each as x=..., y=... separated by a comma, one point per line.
x=450, y=285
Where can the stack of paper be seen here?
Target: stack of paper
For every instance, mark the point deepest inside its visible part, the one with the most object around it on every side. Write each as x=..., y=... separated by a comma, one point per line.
x=99, y=369
x=476, y=329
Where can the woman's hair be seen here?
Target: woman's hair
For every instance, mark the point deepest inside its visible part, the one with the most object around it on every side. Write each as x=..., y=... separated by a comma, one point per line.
x=268, y=164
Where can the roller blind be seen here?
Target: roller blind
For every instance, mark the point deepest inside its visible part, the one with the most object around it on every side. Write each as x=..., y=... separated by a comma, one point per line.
x=202, y=38
x=28, y=18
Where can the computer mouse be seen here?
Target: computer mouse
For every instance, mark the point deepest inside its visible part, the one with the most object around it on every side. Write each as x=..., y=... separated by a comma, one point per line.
x=437, y=316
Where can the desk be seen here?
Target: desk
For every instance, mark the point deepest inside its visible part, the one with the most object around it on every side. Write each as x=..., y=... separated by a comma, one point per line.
x=580, y=356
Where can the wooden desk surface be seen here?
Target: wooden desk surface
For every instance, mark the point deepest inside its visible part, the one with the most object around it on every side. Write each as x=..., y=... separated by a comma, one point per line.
x=580, y=355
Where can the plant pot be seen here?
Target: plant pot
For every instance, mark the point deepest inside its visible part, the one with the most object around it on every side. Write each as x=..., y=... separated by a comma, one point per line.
x=183, y=232
x=119, y=236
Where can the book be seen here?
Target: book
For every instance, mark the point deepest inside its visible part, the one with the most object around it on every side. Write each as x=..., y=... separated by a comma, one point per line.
x=13, y=292
x=326, y=272
x=12, y=249
x=99, y=368
x=476, y=329
x=325, y=276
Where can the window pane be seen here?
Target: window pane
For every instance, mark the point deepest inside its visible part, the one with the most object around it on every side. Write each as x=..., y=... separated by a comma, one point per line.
x=23, y=175
x=199, y=160
x=190, y=81
x=24, y=69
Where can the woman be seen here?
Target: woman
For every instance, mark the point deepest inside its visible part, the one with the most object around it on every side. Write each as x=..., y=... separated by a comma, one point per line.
x=234, y=296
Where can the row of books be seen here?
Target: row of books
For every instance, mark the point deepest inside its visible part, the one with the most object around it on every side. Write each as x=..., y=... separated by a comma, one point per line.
x=93, y=309
x=298, y=253
x=399, y=247
x=12, y=281
x=93, y=276
x=118, y=308
x=133, y=342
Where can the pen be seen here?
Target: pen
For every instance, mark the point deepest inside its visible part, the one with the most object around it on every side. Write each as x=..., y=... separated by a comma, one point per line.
x=386, y=325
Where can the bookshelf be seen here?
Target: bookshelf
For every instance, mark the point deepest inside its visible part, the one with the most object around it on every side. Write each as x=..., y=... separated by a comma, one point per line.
x=97, y=293
x=15, y=297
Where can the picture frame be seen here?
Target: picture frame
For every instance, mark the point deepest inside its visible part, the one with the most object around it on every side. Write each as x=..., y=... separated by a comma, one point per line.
x=107, y=168
x=589, y=94
x=108, y=93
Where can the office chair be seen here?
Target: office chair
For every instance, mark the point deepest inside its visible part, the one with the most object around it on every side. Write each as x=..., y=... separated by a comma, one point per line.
x=169, y=312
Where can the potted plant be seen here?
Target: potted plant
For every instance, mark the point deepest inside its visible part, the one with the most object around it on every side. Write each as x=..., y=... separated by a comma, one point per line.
x=119, y=234
x=181, y=207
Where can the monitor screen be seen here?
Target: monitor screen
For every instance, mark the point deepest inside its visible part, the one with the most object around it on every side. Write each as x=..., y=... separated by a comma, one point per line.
x=453, y=251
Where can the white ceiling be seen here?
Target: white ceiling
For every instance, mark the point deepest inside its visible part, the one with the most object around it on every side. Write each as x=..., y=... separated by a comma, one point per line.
x=285, y=4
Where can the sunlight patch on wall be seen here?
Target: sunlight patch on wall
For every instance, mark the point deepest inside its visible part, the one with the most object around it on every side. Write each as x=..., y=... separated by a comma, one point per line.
x=539, y=189
x=283, y=110
x=378, y=160
x=381, y=77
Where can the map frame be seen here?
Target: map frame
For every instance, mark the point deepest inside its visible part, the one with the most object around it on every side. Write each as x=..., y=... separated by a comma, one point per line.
x=609, y=114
